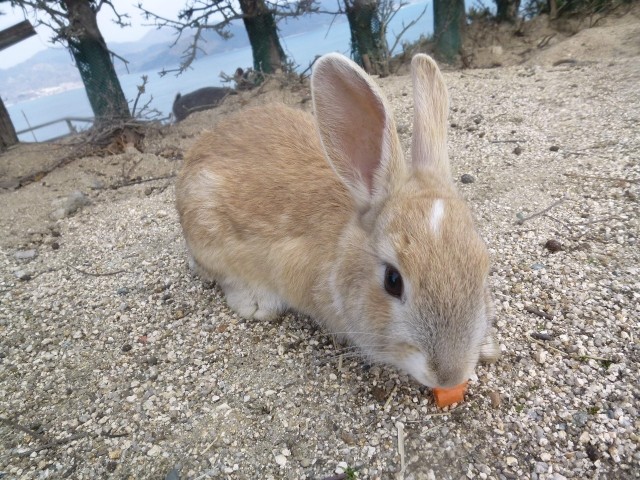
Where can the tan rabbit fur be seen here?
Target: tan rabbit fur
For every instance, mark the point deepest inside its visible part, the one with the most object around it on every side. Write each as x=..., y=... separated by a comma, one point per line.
x=324, y=216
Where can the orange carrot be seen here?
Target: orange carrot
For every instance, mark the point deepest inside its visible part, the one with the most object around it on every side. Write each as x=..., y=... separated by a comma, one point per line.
x=448, y=396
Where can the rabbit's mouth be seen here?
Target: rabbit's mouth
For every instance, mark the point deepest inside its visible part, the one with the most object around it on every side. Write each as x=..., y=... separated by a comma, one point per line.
x=413, y=361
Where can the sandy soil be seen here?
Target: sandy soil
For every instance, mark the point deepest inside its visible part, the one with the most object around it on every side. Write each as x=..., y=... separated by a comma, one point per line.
x=116, y=361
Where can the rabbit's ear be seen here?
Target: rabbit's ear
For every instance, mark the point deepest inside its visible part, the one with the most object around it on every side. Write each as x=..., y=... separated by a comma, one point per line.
x=431, y=108
x=356, y=128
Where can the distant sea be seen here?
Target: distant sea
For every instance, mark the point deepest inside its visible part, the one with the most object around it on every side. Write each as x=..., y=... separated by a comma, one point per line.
x=301, y=48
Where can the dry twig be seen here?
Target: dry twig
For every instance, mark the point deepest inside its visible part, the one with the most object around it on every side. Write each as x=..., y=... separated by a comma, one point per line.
x=539, y=312
x=94, y=274
x=520, y=221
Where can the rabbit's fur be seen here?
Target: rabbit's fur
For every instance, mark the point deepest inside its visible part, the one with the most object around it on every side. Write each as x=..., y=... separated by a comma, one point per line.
x=285, y=210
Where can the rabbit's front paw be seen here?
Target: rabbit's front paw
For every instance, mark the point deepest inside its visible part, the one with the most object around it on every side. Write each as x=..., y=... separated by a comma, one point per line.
x=252, y=304
x=489, y=349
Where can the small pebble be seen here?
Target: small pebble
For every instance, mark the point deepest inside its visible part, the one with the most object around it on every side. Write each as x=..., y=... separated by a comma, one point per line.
x=25, y=254
x=495, y=398
x=466, y=178
x=173, y=475
x=580, y=418
x=553, y=246
x=23, y=275
x=154, y=451
x=540, y=356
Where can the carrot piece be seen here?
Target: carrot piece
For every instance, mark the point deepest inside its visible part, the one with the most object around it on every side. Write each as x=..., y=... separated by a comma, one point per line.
x=448, y=396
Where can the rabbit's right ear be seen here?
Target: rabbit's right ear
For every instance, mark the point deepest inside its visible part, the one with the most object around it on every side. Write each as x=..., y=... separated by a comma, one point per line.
x=431, y=108
x=356, y=128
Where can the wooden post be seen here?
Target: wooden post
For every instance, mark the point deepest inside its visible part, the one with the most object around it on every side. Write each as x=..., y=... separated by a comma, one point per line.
x=16, y=33
x=11, y=36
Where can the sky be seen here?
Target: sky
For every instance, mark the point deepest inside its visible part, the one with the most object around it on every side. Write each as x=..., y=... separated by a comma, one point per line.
x=110, y=31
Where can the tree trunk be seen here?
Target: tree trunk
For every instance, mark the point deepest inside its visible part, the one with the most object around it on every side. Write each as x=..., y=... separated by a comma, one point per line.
x=94, y=63
x=507, y=10
x=8, y=135
x=268, y=54
x=367, y=36
x=449, y=22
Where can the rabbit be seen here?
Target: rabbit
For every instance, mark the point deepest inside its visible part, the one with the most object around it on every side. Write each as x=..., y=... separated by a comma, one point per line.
x=326, y=217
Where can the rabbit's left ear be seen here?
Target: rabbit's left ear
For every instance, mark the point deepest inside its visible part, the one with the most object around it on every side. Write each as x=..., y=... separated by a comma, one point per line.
x=356, y=128
x=431, y=108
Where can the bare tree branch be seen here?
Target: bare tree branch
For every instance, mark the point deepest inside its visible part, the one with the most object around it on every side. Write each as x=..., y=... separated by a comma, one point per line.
x=197, y=16
x=406, y=27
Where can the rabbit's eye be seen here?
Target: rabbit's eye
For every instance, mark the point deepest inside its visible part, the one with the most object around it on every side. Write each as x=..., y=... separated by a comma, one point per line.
x=393, y=281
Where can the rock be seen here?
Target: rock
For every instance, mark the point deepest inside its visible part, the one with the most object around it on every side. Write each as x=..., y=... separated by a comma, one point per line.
x=23, y=275
x=172, y=475
x=26, y=254
x=69, y=205
x=198, y=100
x=97, y=184
x=340, y=469
x=517, y=150
x=540, y=356
x=592, y=452
x=281, y=460
x=553, y=246
x=466, y=179
x=494, y=396
x=379, y=393
x=580, y=418
x=347, y=438
x=9, y=183
x=541, y=467
x=554, y=148
x=154, y=451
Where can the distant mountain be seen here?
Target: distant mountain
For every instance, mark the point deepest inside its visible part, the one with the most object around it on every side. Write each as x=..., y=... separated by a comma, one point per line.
x=53, y=69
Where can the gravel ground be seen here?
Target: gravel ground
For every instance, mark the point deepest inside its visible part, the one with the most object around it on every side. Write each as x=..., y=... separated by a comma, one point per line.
x=117, y=362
